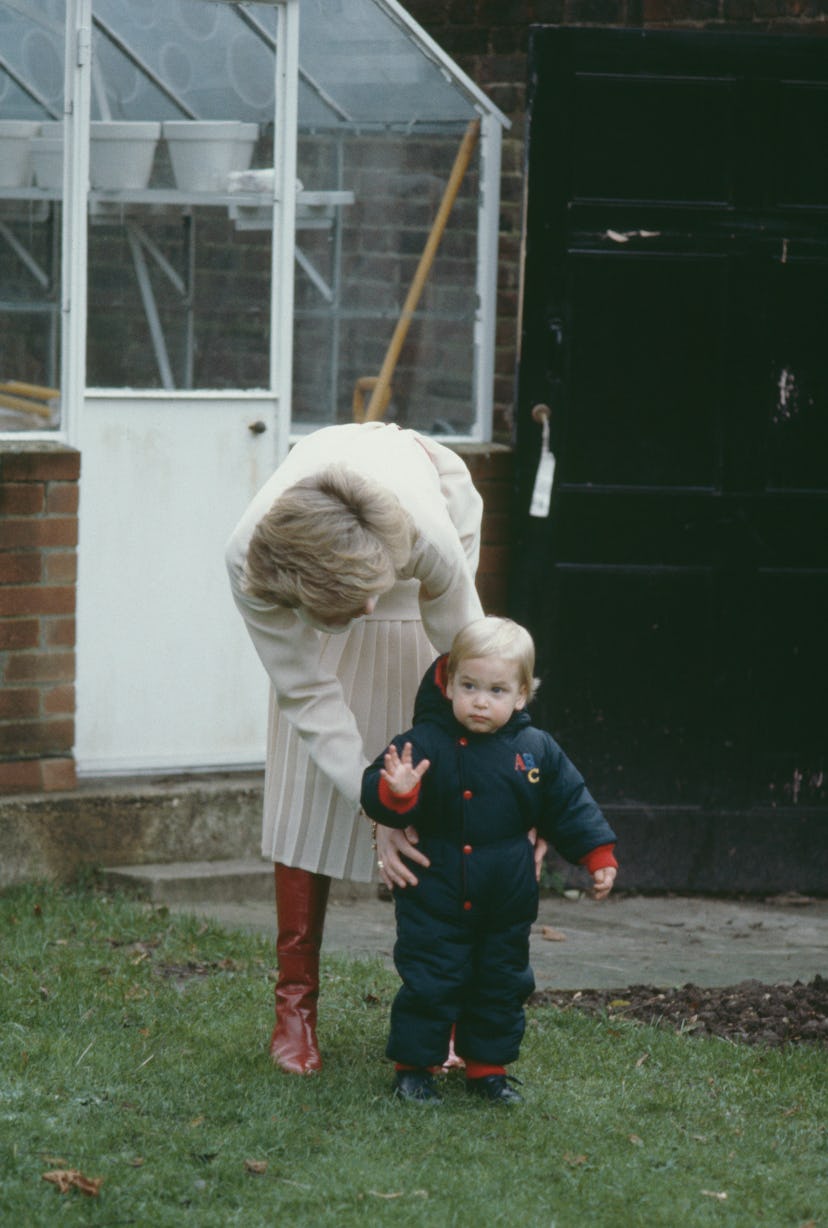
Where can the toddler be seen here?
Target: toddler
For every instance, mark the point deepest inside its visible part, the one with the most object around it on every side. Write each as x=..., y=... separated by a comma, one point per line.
x=477, y=780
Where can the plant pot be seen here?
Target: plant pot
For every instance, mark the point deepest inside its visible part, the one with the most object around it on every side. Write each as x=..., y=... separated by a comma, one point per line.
x=204, y=152
x=16, y=136
x=121, y=154
x=47, y=162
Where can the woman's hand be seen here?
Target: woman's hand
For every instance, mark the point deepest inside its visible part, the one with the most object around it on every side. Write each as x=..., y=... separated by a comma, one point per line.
x=394, y=843
x=541, y=848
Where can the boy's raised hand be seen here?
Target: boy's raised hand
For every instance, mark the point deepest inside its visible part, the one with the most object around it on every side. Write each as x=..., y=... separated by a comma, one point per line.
x=399, y=771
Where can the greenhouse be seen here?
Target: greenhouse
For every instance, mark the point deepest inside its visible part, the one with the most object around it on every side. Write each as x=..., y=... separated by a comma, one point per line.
x=222, y=225
x=187, y=125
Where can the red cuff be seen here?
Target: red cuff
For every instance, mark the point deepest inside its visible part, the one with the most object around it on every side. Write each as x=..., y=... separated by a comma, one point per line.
x=600, y=858
x=400, y=803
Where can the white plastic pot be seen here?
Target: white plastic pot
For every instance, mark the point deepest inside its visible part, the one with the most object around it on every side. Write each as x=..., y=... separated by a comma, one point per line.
x=121, y=154
x=47, y=161
x=16, y=136
x=204, y=152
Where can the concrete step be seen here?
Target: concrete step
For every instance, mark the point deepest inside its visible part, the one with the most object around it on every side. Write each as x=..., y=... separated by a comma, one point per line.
x=235, y=881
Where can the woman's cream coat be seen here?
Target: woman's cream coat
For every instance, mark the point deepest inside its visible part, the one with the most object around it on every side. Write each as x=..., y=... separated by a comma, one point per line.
x=434, y=486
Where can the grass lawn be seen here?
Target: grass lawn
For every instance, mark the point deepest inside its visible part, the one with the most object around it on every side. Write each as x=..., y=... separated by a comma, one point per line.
x=133, y=1050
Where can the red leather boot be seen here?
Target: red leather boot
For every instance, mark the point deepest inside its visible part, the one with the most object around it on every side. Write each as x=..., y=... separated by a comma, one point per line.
x=301, y=900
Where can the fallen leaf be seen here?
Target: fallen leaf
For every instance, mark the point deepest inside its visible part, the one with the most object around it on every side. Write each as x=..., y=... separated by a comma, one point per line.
x=137, y=1162
x=644, y=1058
x=197, y=1121
x=636, y=1141
x=616, y=1002
x=552, y=935
x=67, y=1178
x=720, y=1194
x=574, y=1160
x=257, y=1167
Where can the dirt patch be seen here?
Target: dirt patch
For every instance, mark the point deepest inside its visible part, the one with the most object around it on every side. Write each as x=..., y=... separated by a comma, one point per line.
x=749, y=1013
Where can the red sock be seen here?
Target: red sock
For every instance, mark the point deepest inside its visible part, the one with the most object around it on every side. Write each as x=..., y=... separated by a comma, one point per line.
x=407, y=1066
x=481, y=1070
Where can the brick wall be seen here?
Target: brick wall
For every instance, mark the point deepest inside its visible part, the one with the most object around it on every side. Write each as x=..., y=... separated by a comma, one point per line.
x=492, y=467
x=38, y=570
x=489, y=40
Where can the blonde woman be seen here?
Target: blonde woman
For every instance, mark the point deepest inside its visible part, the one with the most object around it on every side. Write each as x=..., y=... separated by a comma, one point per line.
x=352, y=568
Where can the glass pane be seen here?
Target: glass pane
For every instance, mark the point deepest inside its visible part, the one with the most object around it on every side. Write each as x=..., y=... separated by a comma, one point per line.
x=356, y=263
x=31, y=105
x=380, y=125
x=181, y=180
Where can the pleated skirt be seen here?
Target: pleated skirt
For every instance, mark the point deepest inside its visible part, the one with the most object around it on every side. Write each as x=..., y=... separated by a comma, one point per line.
x=379, y=661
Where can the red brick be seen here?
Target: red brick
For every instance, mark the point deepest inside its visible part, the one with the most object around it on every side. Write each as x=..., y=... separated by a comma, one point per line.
x=20, y=568
x=494, y=594
x=39, y=465
x=496, y=490
x=62, y=498
x=58, y=774
x=27, y=533
x=57, y=701
x=37, y=599
x=19, y=633
x=59, y=632
x=21, y=776
x=19, y=703
x=21, y=498
x=494, y=560
x=497, y=530
x=21, y=738
x=41, y=667
x=60, y=566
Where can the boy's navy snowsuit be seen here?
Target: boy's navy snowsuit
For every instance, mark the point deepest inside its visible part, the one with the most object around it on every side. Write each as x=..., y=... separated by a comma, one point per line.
x=462, y=945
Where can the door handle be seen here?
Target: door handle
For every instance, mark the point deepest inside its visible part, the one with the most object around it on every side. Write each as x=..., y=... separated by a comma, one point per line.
x=257, y=428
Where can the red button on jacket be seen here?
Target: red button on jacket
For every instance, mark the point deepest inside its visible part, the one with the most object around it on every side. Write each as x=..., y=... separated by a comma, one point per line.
x=462, y=741
x=467, y=793
x=467, y=905
x=467, y=848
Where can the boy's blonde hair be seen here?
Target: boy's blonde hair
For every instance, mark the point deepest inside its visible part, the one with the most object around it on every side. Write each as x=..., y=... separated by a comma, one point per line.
x=328, y=544
x=496, y=637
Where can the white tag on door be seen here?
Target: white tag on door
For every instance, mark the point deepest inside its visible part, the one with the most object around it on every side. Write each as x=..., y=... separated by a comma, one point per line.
x=545, y=476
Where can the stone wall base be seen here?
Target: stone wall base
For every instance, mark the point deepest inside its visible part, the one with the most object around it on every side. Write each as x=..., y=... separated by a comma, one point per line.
x=216, y=817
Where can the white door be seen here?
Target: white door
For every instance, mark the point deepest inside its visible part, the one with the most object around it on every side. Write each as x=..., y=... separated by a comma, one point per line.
x=167, y=677
x=186, y=281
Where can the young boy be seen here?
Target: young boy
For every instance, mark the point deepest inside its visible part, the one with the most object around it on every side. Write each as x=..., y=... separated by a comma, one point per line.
x=475, y=778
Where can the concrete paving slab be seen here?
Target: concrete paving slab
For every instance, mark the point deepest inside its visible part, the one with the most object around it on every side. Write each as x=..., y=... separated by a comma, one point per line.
x=625, y=940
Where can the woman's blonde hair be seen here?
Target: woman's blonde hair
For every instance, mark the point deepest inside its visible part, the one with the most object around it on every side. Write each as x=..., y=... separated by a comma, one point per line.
x=328, y=544
x=496, y=637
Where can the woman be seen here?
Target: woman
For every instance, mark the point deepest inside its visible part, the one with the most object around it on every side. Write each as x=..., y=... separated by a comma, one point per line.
x=358, y=554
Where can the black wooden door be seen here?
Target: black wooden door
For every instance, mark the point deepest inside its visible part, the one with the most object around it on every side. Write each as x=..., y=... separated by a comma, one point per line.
x=675, y=318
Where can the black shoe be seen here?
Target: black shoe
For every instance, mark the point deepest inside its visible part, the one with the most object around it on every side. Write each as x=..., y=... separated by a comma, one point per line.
x=417, y=1086
x=495, y=1088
